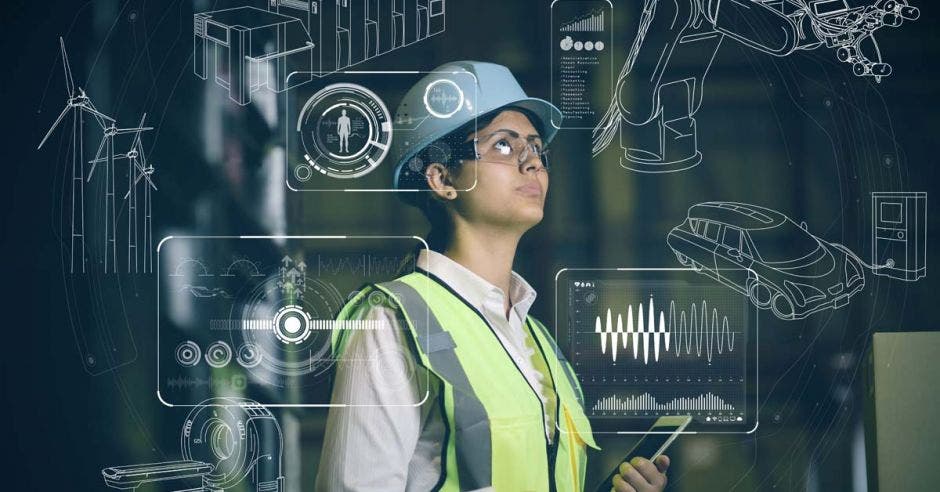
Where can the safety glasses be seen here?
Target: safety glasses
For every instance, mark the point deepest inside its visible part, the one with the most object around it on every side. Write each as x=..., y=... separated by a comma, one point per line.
x=506, y=147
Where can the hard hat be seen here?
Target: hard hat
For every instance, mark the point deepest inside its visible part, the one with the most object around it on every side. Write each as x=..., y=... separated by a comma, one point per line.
x=452, y=96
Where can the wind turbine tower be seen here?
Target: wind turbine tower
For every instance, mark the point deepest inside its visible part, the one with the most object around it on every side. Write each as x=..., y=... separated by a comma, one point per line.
x=78, y=104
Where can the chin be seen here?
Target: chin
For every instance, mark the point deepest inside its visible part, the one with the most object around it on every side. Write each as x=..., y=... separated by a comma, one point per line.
x=530, y=216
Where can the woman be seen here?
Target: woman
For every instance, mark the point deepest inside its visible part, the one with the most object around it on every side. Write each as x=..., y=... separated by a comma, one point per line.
x=465, y=391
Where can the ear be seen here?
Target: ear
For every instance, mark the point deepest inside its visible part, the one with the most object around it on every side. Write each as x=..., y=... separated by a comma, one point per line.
x=439, y=181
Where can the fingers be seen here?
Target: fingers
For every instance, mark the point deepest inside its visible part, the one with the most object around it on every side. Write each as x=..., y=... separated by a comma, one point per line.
x=662, y=463
x=633, y=477
x=620, y=485
x=650, y=478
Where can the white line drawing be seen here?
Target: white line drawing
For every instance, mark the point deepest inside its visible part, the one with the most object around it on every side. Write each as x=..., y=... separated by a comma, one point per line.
x=655, y=101
x=245, y=48
x=218, y=354
x=188, y=353
x=765, y=256
x=230, y=443
x=190, y=267
x=244, y=266
x=78, y=104
x=139, y=171
x=581, y=31
x=899, y=234
x=249, y=355
x=110, y=221
x=325, y=129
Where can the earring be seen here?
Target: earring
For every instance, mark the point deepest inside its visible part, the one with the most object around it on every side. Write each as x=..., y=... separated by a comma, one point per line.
x=451, y=194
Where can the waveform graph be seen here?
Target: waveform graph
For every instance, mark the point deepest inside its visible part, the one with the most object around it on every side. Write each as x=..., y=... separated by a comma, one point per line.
x=692, y=332
x=652, y=342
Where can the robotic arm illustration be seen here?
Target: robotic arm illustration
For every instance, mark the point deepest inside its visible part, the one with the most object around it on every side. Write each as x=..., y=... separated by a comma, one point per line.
x=659, y=89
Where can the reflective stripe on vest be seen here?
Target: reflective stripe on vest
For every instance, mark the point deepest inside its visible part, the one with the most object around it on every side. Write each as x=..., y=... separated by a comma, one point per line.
x=474, y=455
x=494, y=418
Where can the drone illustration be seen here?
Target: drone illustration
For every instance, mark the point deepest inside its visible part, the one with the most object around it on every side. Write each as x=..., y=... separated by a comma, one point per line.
x=659, y=92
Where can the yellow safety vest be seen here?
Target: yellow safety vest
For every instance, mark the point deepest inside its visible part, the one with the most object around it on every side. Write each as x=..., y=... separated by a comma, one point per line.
x=494, y=433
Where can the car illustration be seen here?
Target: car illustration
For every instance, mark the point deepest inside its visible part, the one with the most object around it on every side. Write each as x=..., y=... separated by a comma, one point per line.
x=764, y=255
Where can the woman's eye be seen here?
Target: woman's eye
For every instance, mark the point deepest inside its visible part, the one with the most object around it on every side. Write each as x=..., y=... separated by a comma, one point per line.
x=503, y=147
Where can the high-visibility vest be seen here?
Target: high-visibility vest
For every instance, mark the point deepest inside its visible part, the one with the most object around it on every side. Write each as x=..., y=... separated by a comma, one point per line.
x=495, y=427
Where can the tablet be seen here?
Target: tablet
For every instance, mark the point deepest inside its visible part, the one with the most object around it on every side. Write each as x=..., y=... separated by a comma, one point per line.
x=651, y=445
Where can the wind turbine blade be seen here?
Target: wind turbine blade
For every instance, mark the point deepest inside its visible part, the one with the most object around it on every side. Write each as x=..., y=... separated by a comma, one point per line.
x=137, y=137
x=97, y=114
x=140, y=151
x=132, y=130
x=53, y=127
x=68, y=70
x=98, y=157
x=115, y=157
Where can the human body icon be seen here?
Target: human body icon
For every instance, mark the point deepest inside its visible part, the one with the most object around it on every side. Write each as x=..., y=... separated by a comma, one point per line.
x=343, y=128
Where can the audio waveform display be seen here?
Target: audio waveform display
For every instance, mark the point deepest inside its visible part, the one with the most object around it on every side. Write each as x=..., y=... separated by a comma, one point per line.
x=700, y=332
x=708, y=402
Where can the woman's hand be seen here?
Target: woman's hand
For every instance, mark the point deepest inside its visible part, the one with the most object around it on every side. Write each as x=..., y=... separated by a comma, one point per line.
x=641, y=475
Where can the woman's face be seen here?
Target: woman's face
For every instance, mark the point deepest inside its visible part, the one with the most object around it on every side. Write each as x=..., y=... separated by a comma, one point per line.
x=507, y=193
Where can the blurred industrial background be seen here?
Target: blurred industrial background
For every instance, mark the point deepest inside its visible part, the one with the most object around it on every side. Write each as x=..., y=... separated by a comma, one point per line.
x=799, y=134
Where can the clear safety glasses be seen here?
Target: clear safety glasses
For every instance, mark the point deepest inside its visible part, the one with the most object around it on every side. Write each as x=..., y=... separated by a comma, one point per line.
x=507, y=147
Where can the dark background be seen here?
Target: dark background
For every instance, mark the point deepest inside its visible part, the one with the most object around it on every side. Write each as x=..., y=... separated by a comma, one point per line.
x=798, y=134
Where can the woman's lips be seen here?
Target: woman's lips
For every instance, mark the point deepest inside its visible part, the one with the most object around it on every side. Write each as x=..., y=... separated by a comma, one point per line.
x=530, y=190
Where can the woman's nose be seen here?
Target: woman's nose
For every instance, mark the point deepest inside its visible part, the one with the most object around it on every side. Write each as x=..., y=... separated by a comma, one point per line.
x=531, y=163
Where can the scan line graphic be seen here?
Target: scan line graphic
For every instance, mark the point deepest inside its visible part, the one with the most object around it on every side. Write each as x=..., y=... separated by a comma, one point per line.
x=316, y=324
x=647, y=402
x=694, y=330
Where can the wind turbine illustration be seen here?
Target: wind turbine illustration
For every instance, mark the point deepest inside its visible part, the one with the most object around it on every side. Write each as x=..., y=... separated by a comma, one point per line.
x=110, y=219
x=78, y=104
x=138, y=169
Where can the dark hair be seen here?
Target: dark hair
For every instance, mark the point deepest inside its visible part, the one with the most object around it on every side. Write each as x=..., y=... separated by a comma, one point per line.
x=443, y=151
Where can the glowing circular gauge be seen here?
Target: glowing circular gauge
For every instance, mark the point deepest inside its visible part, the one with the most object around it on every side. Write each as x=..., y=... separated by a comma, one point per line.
x=345, y=131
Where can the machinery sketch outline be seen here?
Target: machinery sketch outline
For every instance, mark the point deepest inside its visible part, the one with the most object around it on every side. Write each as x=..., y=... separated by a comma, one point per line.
x=661, y=122
x=227, y=443
x=305, y=39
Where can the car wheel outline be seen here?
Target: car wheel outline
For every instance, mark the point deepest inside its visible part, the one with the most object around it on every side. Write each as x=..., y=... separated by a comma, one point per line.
x=780, y=297
x=755, y=290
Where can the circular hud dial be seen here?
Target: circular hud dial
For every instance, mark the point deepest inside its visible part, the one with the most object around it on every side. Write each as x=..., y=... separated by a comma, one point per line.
x=345, y=131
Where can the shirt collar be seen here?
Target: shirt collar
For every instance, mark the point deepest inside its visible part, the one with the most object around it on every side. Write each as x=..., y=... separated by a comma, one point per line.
x=475, y=289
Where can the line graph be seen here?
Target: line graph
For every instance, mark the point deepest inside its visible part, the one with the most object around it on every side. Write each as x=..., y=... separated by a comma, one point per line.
x=692, y=329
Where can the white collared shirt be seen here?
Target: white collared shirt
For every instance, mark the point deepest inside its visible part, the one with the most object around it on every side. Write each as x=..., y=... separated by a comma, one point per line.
x=387, y=442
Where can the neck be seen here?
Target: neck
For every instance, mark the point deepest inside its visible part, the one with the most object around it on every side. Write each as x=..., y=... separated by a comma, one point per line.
x=487, y=252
